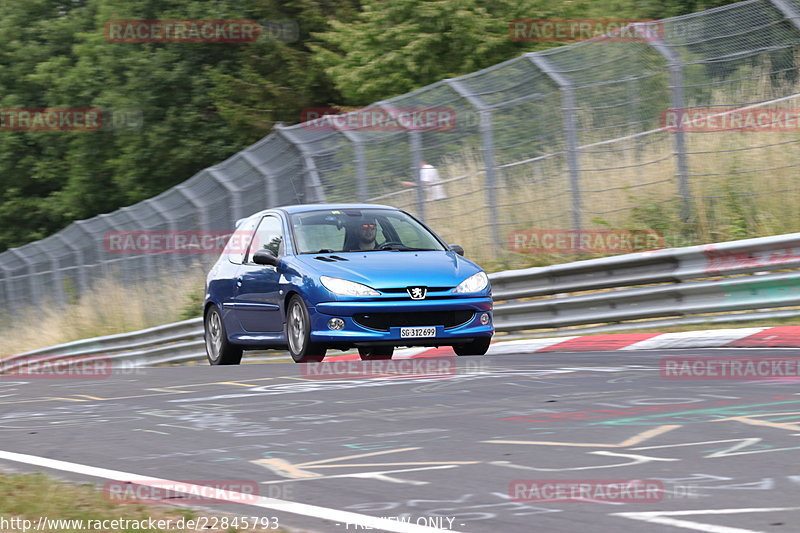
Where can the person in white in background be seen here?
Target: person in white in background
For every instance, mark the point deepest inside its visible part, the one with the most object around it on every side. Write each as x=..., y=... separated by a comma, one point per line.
x=429, y=176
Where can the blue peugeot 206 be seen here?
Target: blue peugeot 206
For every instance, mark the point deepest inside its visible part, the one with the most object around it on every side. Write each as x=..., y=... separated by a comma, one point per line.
x=316, y=277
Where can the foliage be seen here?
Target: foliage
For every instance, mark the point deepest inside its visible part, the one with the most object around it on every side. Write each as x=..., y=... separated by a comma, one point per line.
x=200, y=103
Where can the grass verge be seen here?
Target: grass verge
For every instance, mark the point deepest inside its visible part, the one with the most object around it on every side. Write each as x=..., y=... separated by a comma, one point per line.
x=31, y=497
x=109, y=307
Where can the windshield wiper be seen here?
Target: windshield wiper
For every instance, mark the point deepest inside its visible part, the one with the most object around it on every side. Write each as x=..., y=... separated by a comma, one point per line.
x=402, y=248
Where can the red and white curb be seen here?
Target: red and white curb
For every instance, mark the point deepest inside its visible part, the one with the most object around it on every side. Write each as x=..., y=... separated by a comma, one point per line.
x=764, y=337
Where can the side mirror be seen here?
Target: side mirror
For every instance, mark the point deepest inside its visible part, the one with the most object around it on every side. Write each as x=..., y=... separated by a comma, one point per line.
x=265, y=257
x=457, y=249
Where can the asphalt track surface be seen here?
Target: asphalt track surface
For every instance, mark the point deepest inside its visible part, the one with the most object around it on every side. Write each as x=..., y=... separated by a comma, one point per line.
x=445, y=449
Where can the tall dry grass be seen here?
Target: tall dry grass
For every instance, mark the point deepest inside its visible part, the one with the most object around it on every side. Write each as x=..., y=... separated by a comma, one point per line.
x=109, y=307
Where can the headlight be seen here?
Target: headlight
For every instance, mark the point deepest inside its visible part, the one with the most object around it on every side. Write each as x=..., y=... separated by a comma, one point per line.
x=475, y=283
x=347, y=288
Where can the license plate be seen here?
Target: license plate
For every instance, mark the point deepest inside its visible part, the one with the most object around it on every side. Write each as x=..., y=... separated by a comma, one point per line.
x=408, y=333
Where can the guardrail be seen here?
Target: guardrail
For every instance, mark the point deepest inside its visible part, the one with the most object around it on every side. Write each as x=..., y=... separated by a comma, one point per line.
x=654, y=284
x=690, y=285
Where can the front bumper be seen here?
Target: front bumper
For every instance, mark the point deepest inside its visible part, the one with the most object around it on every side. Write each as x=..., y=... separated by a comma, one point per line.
x=355, y=334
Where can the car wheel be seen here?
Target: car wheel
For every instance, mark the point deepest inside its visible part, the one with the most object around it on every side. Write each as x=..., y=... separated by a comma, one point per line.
x=298, y=333
x=373, y=353
x=477, y=347
x=218, y=350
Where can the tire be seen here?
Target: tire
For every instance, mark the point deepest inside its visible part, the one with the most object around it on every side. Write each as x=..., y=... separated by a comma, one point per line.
x=375, y=353
x=477, y=347
x=298, y=333
x=218, y=350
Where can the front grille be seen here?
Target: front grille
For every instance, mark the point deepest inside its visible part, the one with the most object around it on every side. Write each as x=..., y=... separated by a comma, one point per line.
x=402, y=290
x=384, y=321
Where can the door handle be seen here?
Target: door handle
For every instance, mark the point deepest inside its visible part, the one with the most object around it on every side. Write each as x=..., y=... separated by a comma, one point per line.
x=239, y=281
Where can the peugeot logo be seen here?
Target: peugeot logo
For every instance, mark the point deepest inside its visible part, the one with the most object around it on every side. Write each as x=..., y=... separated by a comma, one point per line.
x=417, y=293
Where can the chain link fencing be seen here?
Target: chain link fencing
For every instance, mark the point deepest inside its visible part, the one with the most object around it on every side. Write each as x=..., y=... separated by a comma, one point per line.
x=575, y=139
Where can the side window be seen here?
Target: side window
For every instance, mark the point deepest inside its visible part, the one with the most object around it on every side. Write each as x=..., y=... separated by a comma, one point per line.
x=237, y=245
x=269, y=236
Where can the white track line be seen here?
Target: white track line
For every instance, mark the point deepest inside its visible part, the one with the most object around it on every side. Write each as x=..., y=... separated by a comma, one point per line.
x=663, y=517
x=344, y=517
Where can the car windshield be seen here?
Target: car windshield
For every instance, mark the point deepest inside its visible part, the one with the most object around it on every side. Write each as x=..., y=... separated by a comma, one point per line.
x=355, y=230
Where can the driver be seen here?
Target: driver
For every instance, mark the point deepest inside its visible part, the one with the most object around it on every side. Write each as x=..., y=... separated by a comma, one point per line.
x=367, y=231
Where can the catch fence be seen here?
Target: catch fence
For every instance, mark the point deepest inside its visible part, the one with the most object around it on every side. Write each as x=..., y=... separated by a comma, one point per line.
x=574, y=139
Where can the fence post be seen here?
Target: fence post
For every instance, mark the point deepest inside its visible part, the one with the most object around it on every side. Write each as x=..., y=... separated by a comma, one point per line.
x=235, y=193
x=312, y=185
x=5, y=311
x=190, y=195
x=80, y=261
x=34, y=291
x=416, y=170
x=203, y=220
x=362, y=187
x=679, y=138
x=788, y=11
x=57, y=276
x=172, y=221
x=269, y=180
x=98, y=252
x=416, y=158
x=570, y=133
x=487, y=147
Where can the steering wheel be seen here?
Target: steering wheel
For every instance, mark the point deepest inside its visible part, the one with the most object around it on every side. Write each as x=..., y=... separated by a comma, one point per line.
x=389, y=244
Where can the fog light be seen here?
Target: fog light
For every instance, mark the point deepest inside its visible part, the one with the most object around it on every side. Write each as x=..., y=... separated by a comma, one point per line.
x=336, y=323
x=484, y=318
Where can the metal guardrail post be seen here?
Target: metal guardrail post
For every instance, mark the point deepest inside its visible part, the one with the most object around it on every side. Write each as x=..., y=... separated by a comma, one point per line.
x=312, y=187
x=788, y=11
x=679, y=137
x=568, y=106
x=487, y=142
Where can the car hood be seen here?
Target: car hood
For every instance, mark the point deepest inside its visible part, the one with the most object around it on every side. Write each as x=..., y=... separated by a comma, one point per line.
x=388, y=269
